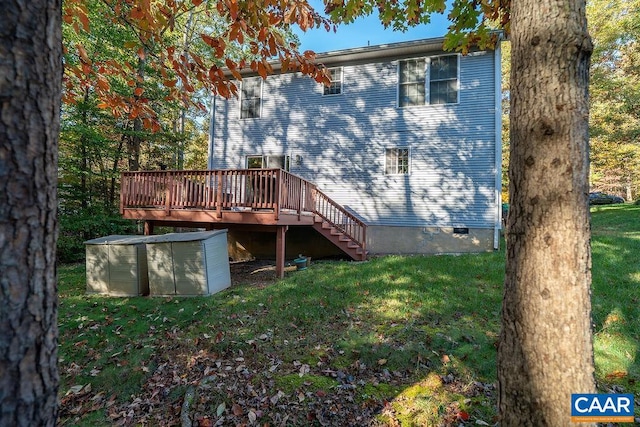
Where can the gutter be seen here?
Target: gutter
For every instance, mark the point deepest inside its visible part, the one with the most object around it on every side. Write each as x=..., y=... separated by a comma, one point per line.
x=498, y=143
x=212, y=131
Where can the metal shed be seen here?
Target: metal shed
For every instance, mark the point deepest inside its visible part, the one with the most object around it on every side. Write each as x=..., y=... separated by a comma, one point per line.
x=195, y=263
x=117, y=265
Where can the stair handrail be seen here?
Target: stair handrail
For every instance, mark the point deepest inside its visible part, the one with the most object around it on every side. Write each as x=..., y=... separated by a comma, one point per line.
x=355, y=228
x=311, y=199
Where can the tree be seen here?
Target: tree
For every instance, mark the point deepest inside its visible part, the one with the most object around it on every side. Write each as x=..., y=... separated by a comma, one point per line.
x=30, y=91
x=545, y=351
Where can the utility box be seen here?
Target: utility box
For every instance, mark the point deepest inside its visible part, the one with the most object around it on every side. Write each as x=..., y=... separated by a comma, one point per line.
x=117, y=266
x=195, y=263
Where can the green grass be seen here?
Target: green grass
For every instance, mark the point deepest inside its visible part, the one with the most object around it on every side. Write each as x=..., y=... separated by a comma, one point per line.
x=616, y=296
x=418, y=333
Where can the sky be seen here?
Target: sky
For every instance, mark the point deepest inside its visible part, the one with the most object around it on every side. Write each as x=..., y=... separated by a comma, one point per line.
x=364, y=32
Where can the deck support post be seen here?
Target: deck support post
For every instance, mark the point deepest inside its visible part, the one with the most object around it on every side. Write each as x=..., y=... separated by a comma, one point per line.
x=148, y=228
x=281, y=232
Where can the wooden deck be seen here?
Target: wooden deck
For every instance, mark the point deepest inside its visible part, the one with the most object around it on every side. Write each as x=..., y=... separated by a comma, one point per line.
x=269, y=198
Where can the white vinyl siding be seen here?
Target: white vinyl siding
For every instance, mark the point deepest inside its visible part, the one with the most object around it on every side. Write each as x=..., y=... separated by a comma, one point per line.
x=342, y=142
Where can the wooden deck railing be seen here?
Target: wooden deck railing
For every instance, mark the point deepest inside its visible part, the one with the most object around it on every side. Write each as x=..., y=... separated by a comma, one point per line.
x=237, y=189
x=340, y=218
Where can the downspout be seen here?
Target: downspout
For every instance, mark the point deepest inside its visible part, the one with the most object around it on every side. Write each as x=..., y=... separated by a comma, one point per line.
x=212, y=131
x=498, y=143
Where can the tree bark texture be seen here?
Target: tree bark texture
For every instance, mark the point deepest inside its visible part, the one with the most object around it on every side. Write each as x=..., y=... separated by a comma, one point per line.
x=30, y=90
x=545, y=352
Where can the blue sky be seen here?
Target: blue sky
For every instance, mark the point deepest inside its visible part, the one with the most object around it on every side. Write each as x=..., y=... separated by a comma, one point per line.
x=365, y=31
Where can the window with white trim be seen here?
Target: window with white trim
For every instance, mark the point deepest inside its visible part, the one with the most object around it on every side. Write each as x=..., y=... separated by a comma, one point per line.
x=335, y=88
x=412, y=82
x=443, y=80
x=268, y=162
x=396, y=161
x=251, y=98
x=432, y=80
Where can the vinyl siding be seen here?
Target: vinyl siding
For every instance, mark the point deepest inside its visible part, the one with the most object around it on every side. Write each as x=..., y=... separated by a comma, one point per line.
x=342, y=140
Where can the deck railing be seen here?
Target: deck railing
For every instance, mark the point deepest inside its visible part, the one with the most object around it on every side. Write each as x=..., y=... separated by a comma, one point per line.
x=235, y=189
x=340, y=218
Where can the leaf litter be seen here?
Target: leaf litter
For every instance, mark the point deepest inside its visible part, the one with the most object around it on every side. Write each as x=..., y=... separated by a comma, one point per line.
x=191, y=382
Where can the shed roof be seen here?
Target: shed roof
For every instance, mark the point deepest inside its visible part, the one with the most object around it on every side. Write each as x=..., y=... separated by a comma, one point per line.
x=184, y=237
x=117, y=239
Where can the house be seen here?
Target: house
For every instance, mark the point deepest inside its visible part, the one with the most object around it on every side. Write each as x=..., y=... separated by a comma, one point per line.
x=407, y=138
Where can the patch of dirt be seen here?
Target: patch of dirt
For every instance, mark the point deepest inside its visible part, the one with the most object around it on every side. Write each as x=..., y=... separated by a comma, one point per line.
x=255, y=272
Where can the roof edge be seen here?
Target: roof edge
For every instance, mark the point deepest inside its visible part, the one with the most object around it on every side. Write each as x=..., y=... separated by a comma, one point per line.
x=399, y=49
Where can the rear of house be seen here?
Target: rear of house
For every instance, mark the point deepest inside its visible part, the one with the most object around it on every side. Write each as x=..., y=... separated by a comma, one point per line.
x=407, y=138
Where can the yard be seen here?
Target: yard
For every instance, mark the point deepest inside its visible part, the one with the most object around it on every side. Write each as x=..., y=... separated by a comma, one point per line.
x=395, y=341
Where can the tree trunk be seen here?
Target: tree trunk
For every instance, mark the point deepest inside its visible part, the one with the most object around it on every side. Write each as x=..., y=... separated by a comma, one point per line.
x=30, y=89
x=135, y=140
x=545, y=352
x=111, y=199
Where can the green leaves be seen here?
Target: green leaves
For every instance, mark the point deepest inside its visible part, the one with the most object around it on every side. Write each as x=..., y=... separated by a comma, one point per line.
x=615, y=96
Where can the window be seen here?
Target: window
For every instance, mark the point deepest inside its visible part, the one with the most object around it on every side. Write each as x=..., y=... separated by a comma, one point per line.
x=250, y=98
x=443, y=80
x=254, y=162
x=396, y=161
x=268, y=162
x=335, y=88
x=412, y=82
x=428, y=81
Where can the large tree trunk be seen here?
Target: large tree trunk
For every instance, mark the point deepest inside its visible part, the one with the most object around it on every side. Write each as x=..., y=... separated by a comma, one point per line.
x=545, y=352
x=30, y=89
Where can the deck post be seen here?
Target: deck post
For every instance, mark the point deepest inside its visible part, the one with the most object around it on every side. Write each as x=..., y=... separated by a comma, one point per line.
x=148, y=228
x=219, y=194
x=123, y=188
x=168, y=201
x=278, y=198
x=281, y=232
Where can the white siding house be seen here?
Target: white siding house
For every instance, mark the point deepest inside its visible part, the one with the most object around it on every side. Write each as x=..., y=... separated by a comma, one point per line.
x=407, y=138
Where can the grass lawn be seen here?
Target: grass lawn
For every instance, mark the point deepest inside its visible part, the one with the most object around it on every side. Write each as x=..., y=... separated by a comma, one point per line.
x=395, y=341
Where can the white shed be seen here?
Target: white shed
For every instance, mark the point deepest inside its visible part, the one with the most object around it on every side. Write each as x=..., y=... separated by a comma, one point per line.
x=117, y=266
x=195, y=263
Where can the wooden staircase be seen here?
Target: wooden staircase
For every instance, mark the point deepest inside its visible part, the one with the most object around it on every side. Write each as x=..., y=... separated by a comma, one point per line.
x=340, y=239
x=340, y=227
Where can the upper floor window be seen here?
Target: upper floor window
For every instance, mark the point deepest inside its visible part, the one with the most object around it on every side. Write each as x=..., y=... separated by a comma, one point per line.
x=443, y=80
x=412, y=82
x=428, y=81
x=335, y=88
x=396, y=161
x=250, y=98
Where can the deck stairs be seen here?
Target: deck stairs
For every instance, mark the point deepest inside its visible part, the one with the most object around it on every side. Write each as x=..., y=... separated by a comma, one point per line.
x=335, y=235
x=339, y=226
